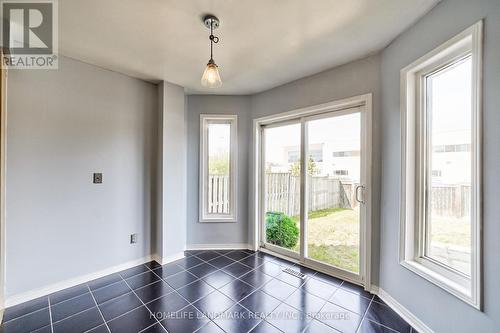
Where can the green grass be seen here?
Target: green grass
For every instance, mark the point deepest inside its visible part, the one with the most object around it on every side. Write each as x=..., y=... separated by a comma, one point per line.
x=333, y=235
x=321, y=213
x=451, y=231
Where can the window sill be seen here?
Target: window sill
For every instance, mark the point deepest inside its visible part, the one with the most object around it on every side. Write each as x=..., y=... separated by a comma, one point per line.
x=443, y=282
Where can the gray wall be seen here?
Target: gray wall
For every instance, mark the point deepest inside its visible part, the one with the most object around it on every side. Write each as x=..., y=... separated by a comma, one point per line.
x=63, y=125
x=438, y=309
x=356, y=78
x=217, y=233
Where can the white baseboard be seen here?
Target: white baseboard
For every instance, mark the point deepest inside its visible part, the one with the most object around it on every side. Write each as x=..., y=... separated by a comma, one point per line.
x=236, y=246
x=409, y=317
x=168, y=259
x=35, y=293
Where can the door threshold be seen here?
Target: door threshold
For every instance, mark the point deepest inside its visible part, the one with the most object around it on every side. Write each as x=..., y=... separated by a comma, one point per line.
x=314, y=267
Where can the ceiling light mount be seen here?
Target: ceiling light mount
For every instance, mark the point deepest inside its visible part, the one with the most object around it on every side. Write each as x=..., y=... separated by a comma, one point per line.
x=211, y=21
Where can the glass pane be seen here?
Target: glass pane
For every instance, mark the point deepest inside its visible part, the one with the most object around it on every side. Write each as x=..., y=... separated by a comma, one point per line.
x=333, y=214
x=449, y=166
x=219, y=187
x=282, y=186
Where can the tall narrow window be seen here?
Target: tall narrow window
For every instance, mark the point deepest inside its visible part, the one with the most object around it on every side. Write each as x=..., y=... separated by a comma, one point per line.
x=447, y=204
x=441, y=183
x=218, y=154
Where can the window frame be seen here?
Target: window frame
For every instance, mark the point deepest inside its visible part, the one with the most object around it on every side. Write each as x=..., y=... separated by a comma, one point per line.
x=414, y=166
x=204, y=215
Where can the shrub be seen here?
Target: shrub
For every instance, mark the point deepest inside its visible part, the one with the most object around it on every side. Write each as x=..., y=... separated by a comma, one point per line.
x=281, y=230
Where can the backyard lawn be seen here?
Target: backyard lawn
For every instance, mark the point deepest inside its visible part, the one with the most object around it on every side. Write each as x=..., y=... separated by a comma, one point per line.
x=333, y=237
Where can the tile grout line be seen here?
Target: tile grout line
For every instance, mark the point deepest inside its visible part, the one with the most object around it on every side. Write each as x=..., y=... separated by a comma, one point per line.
x=316, y=317
x=73, y=297
x=157, y=321
x=189, y=302
x=337, y=287
x=262, y=319
x=79, y=312
x=202, y=279
x=24, y=315
x=215, y=289
x=326, y=302
x=90, y=290
x=151, y=326
x=152, y=270
x=385, y=326
x=364, y=315
x=343, y=307
x=50, y=316
x=141, y=287
x=259, y=288
x=161, y=278
x=175, y=290
x=253, y=269
x=107, y=285
x=71, y=316
x=98, y=309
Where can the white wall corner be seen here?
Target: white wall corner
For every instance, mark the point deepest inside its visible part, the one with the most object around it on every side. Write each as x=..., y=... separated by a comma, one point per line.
x=173, y=175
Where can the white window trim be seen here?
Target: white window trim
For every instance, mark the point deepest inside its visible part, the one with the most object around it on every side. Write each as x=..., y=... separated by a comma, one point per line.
x=411, y=249
x=204, y=216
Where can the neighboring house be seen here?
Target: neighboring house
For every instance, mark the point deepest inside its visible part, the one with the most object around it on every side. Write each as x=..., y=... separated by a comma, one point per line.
x=333, y=159
x=342, y=159
x=451, y=158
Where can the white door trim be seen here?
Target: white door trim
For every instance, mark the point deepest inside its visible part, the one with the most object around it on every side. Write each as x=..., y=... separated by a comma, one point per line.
x=3, y=146
x=364, y=101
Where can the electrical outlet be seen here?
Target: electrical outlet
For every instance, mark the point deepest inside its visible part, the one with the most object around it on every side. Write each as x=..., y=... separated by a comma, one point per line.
x=133, y=238
x=97, y=178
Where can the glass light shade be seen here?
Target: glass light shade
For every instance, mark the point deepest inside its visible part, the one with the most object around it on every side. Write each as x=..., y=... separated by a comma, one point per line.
x=211, y=76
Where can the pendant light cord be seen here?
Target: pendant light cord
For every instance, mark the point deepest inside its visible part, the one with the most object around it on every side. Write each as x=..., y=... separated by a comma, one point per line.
x=213, y=39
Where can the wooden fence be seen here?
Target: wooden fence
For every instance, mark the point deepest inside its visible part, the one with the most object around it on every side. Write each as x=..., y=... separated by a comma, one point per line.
x=451, y=200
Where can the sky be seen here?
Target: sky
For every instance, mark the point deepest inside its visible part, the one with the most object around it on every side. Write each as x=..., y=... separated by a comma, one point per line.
x=342, y=131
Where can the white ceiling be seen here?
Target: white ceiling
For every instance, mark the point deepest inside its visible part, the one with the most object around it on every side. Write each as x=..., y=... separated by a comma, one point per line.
x=263, y=43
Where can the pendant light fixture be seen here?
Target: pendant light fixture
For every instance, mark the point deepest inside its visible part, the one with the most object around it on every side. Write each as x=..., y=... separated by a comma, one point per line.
x=211, y=76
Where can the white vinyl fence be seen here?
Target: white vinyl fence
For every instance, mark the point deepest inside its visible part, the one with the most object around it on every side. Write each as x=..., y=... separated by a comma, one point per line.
x=283, y=195
x=218, y=194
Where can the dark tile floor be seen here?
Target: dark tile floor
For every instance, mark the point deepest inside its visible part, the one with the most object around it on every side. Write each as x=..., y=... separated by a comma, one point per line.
x=208, y=291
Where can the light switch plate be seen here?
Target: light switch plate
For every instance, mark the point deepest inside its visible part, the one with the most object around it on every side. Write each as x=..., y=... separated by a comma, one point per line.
x=97, y=178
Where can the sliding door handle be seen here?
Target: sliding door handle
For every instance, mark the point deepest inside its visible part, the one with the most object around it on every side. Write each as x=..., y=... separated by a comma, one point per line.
x=357, y=193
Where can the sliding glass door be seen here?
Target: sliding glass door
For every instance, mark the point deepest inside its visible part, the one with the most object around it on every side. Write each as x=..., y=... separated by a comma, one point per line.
x=314, y=175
